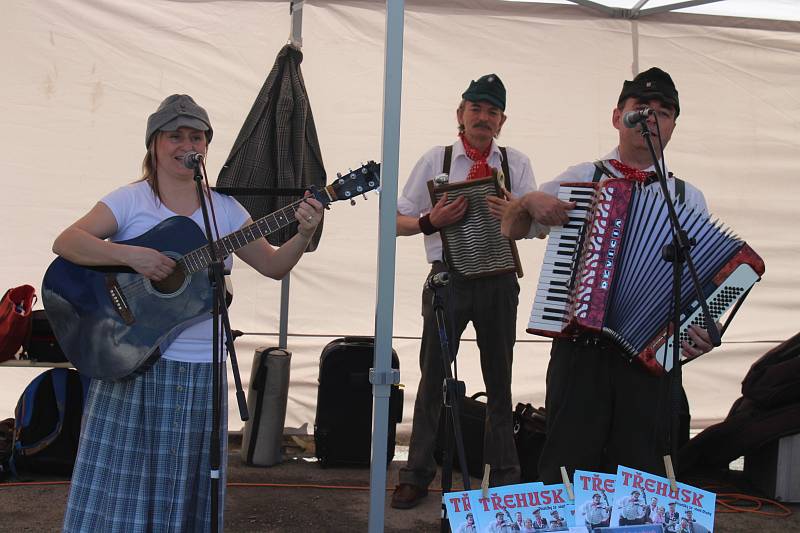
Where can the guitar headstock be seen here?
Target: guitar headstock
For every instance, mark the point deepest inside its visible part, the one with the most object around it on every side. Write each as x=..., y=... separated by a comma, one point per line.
x=347, y=186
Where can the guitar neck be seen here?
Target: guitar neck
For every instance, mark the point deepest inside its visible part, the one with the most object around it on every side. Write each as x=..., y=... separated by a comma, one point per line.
x=200, y=258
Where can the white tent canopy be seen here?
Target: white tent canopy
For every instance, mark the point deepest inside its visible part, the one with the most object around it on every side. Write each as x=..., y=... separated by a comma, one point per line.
x=81, y=78
x=763, y=9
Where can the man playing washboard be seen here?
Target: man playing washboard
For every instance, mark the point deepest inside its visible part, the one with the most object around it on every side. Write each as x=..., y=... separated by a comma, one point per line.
x=489, y=302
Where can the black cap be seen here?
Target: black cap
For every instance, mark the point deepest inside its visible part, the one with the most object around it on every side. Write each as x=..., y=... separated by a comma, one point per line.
x=653, y=83
x=178, y=110
x=487, y=88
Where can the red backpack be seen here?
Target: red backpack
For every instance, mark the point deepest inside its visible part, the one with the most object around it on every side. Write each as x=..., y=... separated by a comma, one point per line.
x=15, y=319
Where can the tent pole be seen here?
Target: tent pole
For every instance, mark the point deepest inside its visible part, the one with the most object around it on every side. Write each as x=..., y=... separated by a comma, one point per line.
x=295, y=39
x=635, y=43
x=382, y=376
x=283, y=326
x=672, y=7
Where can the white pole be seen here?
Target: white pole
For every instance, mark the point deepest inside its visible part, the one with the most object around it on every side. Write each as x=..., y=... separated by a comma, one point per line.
x=382, y=376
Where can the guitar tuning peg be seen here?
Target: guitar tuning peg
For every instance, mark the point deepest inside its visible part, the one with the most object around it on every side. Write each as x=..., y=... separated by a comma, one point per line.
x=364, y=196
x=352, y=201
x=339, y=175
x=328, y=207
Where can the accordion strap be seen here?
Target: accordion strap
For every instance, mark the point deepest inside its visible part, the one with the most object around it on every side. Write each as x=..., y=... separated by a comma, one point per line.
x=680, y=185
x=599, y=170
x=448, y=160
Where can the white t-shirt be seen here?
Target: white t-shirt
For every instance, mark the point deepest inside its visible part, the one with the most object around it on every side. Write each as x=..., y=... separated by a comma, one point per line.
x=415, y=200
x=137, y=210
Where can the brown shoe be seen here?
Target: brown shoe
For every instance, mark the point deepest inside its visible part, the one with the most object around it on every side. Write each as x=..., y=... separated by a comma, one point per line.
x=407, y=495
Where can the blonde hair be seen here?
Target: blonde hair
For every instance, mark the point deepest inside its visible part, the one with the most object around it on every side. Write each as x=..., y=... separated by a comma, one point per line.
x=150, y=166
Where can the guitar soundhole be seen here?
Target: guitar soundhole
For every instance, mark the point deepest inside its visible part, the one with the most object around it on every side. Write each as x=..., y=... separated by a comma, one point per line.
x=173, y=283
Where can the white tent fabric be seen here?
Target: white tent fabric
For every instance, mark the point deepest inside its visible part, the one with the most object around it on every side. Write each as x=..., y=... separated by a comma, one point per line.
x=763, y=9
x=82, y=77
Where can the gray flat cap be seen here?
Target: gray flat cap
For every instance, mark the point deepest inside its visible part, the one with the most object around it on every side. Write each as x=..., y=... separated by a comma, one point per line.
x=176, y=111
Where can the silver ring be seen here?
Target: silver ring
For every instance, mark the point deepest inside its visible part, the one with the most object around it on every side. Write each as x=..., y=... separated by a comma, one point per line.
x=309, y=219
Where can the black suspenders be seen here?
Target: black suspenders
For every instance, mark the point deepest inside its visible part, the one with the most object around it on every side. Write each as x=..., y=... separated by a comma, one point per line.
x=680, y=185
x=448, y=159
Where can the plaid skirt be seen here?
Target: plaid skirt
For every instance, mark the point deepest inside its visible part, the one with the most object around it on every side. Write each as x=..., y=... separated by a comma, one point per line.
x=143, y=460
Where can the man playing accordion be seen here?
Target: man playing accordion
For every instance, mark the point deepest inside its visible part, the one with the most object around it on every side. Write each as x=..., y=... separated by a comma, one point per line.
x=599, y=405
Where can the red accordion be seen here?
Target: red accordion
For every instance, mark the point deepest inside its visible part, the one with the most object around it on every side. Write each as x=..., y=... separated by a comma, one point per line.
x=603, y=274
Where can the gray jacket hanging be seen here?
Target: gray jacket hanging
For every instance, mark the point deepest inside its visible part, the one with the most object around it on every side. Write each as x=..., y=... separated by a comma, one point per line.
x=277, y=147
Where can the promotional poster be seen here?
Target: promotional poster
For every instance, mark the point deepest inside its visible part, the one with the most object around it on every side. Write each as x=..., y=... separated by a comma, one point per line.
x=642, y=498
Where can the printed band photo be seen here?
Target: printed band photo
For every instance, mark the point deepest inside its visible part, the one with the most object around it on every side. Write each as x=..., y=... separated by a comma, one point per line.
x=643, y=498
x=594, y=498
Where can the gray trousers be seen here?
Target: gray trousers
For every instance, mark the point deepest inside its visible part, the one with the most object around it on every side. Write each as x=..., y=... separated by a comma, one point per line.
x=491, y=304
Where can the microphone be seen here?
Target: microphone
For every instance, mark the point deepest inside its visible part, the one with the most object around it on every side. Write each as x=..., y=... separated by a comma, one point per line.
x=193, y=159
x=632, y=118
x=438, y=280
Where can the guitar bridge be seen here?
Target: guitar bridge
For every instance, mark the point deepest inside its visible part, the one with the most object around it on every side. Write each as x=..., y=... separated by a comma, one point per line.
x=118, y=300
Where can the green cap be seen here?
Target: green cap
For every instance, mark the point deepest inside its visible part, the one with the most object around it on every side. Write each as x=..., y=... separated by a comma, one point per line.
x=487, y=88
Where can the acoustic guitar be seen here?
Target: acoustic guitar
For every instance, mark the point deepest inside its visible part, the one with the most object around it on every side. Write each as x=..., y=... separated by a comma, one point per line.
x=111, y=321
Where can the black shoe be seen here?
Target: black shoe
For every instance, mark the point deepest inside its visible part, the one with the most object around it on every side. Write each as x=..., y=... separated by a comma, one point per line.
x=407, y=495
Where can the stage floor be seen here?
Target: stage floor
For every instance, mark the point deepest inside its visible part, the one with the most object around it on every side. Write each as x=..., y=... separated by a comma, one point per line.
x=300, y=496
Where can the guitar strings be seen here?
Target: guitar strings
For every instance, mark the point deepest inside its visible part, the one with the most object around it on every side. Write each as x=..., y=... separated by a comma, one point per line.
x=138, y=286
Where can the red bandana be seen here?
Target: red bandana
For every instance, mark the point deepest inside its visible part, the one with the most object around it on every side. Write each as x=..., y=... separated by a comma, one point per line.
x=630, y=173
x=480, y=168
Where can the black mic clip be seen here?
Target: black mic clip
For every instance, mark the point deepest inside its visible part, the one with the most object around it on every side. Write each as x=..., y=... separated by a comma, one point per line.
x=437, y=281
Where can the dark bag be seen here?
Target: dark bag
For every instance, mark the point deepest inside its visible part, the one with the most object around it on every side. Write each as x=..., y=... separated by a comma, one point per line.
x=529, y=436
x=6, y=446
x=42, y=345
x=768, y=410
x=15, y=319
x=774, y=379
x=472, y=415
x=48, y=422
x=343, y=422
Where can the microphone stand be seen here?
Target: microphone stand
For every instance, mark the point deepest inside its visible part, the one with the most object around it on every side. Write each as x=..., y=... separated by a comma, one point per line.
x=219, y=311
x=677, y=253
x=452, y=392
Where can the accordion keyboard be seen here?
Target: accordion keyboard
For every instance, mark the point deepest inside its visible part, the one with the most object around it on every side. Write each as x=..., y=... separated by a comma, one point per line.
x=556, y=278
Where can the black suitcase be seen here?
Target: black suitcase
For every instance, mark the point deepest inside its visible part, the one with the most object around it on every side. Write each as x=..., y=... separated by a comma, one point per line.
x=472, y=414
x=343, y=423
